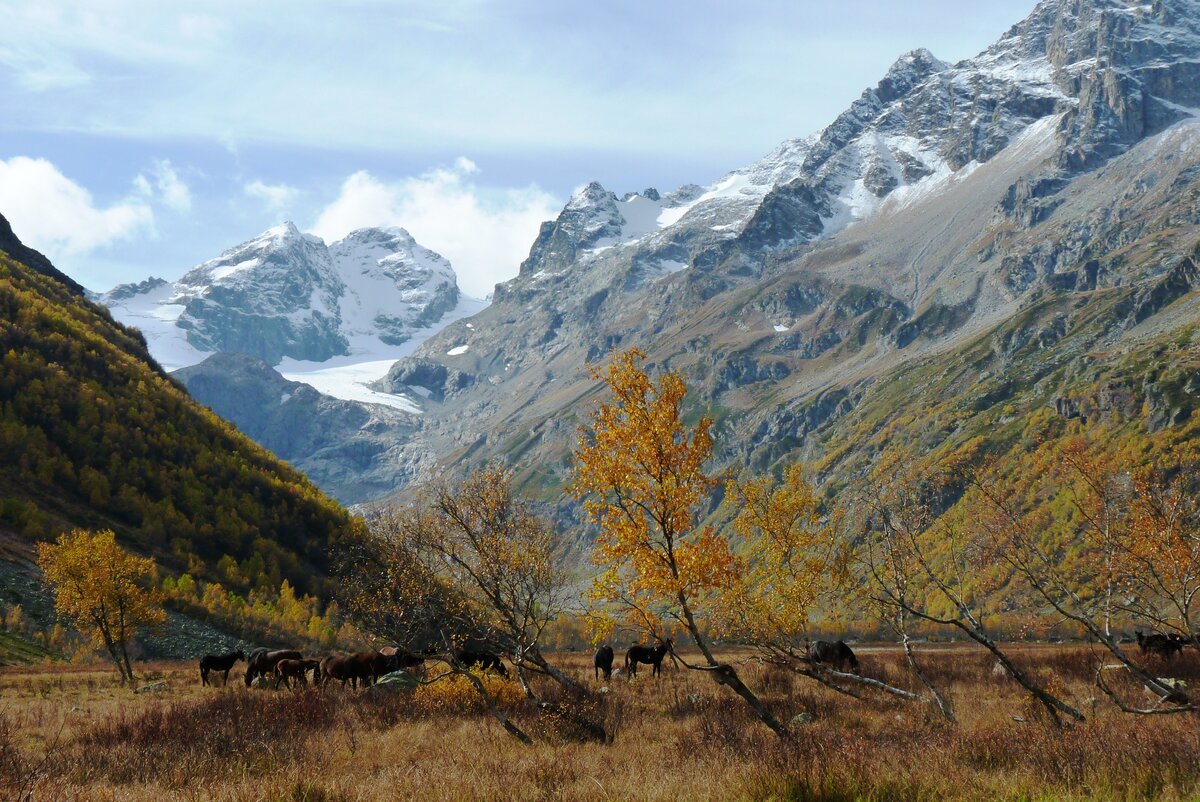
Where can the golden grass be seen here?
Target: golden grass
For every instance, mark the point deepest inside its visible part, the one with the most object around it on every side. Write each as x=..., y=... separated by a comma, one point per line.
x=678, y=737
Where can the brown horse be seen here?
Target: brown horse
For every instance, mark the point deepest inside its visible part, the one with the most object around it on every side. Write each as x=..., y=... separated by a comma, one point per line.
x=602, y=661
x=261, y=662
x=485, y=661
x=399, y=659
x=292, y=669
x=365, y=666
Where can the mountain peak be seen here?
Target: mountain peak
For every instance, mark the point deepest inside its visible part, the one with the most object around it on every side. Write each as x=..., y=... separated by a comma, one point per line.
x=592, y=195
x=920, y=59
x=287, y=294
x=379, y=234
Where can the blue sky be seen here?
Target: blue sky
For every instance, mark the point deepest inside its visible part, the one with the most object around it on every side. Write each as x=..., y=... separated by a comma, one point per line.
x=140, y=138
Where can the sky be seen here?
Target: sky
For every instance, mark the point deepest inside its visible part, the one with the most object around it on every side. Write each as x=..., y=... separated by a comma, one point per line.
x=142, y=138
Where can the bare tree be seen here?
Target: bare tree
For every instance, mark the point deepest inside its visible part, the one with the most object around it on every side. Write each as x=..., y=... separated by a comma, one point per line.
x=469, y=567
x=1018, y=517
x=948, y=590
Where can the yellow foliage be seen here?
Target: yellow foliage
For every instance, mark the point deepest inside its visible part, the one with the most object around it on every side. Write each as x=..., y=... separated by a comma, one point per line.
x=641, y=474
x=456, y=695
x=101, y=588
x=793, y=559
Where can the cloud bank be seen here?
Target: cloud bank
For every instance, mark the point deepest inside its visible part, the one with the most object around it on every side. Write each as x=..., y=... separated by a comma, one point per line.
x=484, y=232
x=52, y=213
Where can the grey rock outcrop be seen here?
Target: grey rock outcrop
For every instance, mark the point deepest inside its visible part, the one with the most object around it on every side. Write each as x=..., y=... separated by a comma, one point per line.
x=354, y=451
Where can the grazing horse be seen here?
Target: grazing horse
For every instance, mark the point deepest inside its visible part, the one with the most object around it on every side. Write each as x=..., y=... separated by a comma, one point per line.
x=487, y=661
x=603, y=661
x=261, y=662
x=219, y=662
x=399, y=659
x=651, y=655
x=837, y=655
x=365, y=666
x=1165, y=646
x=292, y=669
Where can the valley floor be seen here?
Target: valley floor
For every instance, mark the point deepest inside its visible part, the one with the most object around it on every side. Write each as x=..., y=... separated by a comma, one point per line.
x=68, y=733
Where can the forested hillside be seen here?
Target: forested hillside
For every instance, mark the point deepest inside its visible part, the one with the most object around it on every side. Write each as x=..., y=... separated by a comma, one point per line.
x=93, y=433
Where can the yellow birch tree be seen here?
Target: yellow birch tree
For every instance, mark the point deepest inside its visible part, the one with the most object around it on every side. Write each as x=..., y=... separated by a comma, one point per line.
x=640, y=472
x=102, y=589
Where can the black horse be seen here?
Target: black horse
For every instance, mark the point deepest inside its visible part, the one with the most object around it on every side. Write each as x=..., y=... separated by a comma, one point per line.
x=261, y=662
x=837, y=655
x=603, y=661
x=486, y=661
x=219, y=662
x=1165, y=646
x=651, y=655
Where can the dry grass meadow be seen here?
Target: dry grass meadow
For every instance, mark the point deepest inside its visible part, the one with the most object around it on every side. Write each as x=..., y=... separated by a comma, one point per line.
x=70, y=733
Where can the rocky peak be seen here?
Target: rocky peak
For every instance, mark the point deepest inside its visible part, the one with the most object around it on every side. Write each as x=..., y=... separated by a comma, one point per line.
x=395, y=253
x=907, y=72
x=394, y=285
x=590, y=215
x=129, y=290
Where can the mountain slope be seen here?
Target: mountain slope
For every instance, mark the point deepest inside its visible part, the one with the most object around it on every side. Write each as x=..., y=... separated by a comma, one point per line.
x=95, y=435
x=1051, y=179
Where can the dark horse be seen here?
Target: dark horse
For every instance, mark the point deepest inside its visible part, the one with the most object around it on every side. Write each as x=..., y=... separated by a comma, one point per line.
x=651, y=655
x=603, y=661
x=261, y=662
x=487, y=661
x=1166, y=646
x=219, y=662
x=837, y=655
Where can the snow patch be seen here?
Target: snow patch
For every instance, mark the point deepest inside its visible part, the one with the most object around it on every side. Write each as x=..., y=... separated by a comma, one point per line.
x=458, y=350
x=349, y=382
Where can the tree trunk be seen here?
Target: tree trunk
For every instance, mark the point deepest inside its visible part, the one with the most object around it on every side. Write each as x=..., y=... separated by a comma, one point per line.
x=495, y=710
x=938, y=698
x=1052, y=703
x=535, y=656
x=726, y=675
x=111, y=646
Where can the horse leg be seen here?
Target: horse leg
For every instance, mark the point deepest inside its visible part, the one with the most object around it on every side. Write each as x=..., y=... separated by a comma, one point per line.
x=203, y=677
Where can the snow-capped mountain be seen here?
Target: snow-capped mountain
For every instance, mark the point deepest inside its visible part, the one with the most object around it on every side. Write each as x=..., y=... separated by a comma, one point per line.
x=1116, y=71
x=986, y=222
x=286, y=295
x=946, y=202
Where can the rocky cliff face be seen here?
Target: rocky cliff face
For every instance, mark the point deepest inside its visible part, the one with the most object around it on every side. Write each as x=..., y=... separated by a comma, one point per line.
x=353, y=451
x=1057, y=169
x=286, y=294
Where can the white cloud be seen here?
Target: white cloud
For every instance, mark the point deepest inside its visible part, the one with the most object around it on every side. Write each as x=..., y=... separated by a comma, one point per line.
x=275, y=197
x=484, y=232
x=52, y=213
x=164, y=185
